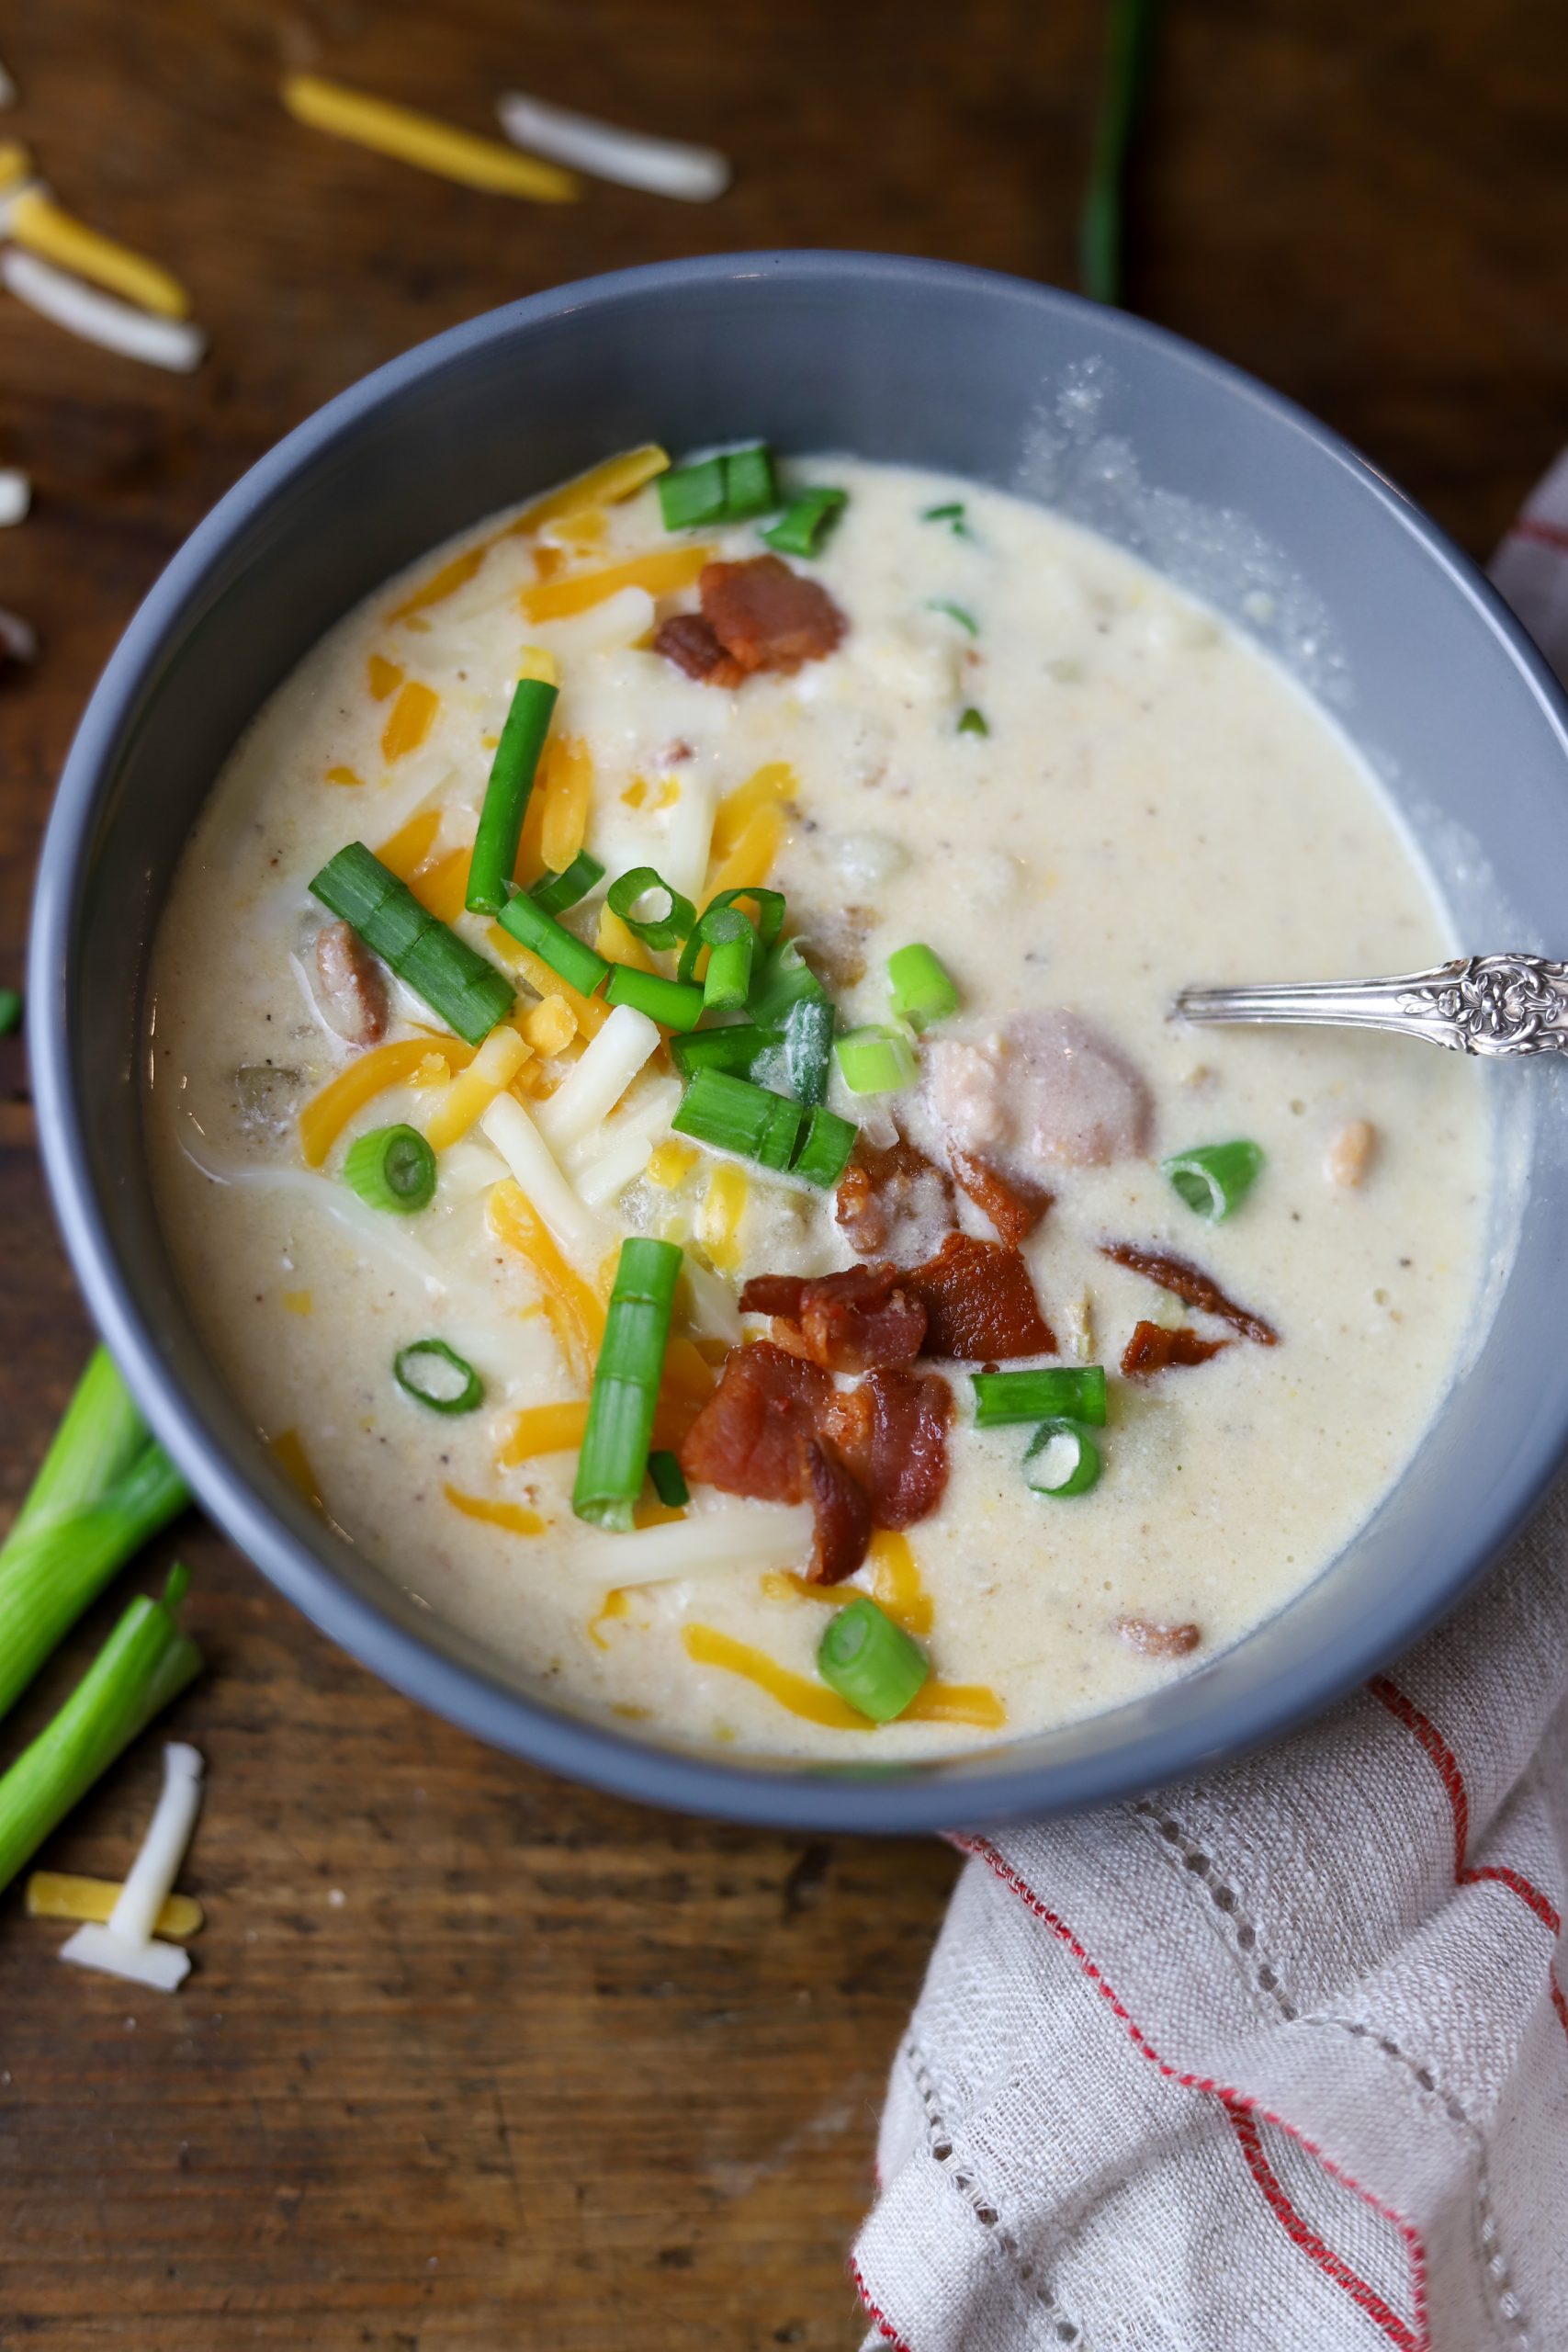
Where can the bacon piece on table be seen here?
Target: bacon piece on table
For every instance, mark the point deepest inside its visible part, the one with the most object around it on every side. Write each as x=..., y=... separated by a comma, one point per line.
x=1158, y=1641
x=692, y=643
x=1154, y=1349
x=849, y=1321
x=888, y=1186
x=767, y=616
x=843, y=1514
x=1190, y=1285
x=751, y=1436
x=980, y=1302
x=891, y=1428
x=1013, y=1204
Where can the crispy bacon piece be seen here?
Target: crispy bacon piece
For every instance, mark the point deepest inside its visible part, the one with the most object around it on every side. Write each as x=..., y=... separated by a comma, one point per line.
x=889, y=1184
x=1154, y=1349
x=752, y=1435
x=353, y=992
x=1190, y=1285
x=980, y=1302
x=692, y=643
x=1013, y=1204
x=892, y=1430
x=846, y=1322
x=1158, y=1641
x=767, y=616
x=843, y=1514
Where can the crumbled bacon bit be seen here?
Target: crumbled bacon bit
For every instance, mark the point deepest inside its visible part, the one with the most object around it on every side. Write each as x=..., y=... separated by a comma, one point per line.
x=892, y=1430
x=1154, y=1349
x=979, y=1302
x=844, y=1515
x=751, y=1437
x=1158, y=1641
x=767, y=616
x=1013, y=1204
x=847, y=1322
x=886, y=1184
x=354, y=989
x=1191, y=1286
x=692, y=643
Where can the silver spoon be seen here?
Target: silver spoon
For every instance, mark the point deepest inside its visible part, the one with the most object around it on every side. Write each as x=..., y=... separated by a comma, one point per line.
x=1477, y=1004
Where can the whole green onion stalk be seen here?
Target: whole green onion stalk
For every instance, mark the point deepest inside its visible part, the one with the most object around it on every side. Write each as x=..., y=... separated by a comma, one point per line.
x=104, y=1487
x=146, y=1661
x=1130, y=38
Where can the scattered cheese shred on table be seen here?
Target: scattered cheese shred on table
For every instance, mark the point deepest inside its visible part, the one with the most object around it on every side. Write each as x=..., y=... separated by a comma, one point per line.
x=631, y=158
x=15, y=495
x=125, y=1946
x=62, y=1894
x=421, y=140
x=98, y=318
x=35, y=221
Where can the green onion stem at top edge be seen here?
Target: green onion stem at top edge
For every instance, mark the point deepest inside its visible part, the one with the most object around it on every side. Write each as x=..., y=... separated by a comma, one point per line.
x=613, y=1459
x=871, y=1662
x=145, y=1662
x=507, y=795
x=1129, y=50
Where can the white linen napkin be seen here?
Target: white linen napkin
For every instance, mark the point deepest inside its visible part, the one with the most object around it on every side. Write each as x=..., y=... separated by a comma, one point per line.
x=1275, y=2061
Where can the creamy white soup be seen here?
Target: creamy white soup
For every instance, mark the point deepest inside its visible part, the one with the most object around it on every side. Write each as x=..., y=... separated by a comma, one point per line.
x=819, y=1301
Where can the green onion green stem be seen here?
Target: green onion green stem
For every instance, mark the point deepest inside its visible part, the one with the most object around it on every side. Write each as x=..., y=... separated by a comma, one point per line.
x=1215, y=1177
x=507, y=795
x=391, y=1167
x=735, y=1048
x=1129, y=34
x=713, y=924
x=877, y=1060
x=457, y=982
x=730, y=488
x=825, y=1148
x=732, y=944
x=959, y=613
x=145, y=1662
x=1066, y=1392
x=658, y=932
x=805, y=520
x=614, y=1458
x=731, y=1114
x=554, y=945
x=678, y=1004
x=973, y=722
x=553, y=893
x=871, y=1662
x=808, y=1047
x=10, y=1011
x=920, y=986
x=669, y=1480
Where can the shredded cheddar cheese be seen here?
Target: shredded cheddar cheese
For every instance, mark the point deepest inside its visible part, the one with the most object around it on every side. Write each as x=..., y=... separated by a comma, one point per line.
x=544, y=1429
x=663, y=574
x=935, y=1702
x=672, y=1162
x=750, y=858
x=550, y=1025
x=616, y=1605
x=413, y=716
x=326, y=1115
x=896, y=1583
x=770, y=784
x=344, y=775
x=516, y=1518
x=295, y=1464
x=617, y=478
x=386, y=676
x=404, y=851
x=62, y=1894
x=424, y=140
x=566, y=782
x=299, y=1302
x=590, y=1013
x=535, y=663
x=35, y=221
x=620, y=945
x=494, y=1066
x=442, y=885
x=574, y=1311
x=719, y=1223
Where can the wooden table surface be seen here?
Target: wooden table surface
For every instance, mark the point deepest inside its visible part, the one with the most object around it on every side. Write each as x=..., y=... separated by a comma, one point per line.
x=472, y=2058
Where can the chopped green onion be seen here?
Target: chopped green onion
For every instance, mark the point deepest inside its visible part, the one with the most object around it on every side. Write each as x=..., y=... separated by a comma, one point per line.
x=958, y=613
x=669, y=1480
x=10, y=1011
x=732, y=944
x=806, y=521
x=735, y=1048
x=554, y=945
x=709, y=928
x=748, y=485
x=507, y=795
x=953, y=515
x=613, y=1459
x=877, y=1060
x=106, y=1486
x=973, y=722
x=922, y=991
x=787, y=978
x=1214, y=1178
x=824, y=1154
x=809, y=1046
x=731, y=1114
x=553, y=893
x=457, y=984
x=678, y=1004
x=427, y=1368
x=659, y=932
x=1070, y=1393
x=870, y=1661
x=1129, y=48
x=391, y=1167
x=729, y=487
x=146, y=1662
x=690, y=496
x=1062, y=1460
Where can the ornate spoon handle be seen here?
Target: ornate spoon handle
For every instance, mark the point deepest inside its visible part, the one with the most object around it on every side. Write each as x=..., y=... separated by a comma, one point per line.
x=1477, y=1004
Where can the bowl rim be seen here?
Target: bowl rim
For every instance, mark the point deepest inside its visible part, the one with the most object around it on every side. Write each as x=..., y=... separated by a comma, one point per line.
x=763, y=1792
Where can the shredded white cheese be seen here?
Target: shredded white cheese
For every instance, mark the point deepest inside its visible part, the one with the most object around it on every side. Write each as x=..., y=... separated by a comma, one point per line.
x=630, y=158
x=572, y=1224
x=15, y=495
x=597, y=1080
x=97, y=318
x=731, y=1537
x=126, y=1946
x=17, y=638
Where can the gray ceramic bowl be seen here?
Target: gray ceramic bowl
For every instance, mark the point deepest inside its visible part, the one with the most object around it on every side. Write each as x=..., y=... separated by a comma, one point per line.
x=1220, y=484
